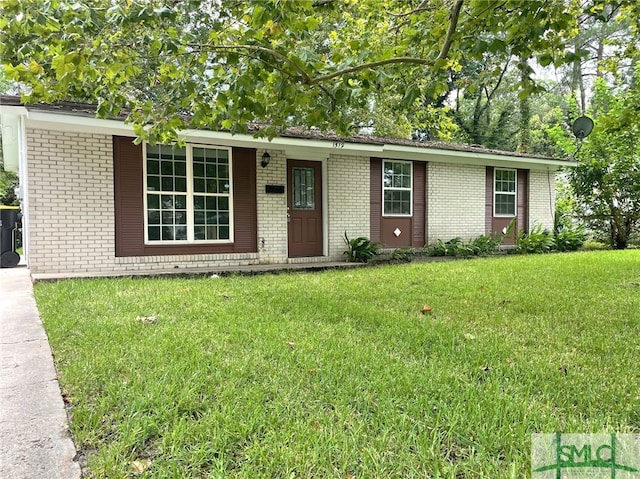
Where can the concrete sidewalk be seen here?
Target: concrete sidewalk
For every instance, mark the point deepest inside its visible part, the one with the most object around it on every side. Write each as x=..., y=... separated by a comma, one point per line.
x=34, y=440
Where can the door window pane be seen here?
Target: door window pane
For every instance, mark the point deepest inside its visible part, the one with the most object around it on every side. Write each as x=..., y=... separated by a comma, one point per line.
x=303, y=189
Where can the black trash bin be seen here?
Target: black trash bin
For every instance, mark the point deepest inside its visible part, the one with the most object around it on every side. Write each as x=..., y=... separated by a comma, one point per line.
x=9, y=217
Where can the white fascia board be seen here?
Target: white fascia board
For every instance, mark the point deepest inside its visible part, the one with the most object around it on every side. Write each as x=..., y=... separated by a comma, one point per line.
x=295, y=147
x=471, y=158
x=77, y=124
x=13, y=110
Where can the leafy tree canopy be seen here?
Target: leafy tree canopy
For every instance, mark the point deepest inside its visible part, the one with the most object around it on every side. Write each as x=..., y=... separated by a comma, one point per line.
x=221, y=64
x=607, y=179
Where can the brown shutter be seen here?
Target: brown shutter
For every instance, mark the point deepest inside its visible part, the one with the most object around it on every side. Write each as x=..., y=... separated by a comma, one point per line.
x=245, y=215
x=488, y=201
x=523, y=200
x=129, y=205
x=376, y=199
x=419, y=203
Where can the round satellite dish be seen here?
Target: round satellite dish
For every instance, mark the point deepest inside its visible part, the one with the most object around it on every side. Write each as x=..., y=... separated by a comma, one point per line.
x=582, y=126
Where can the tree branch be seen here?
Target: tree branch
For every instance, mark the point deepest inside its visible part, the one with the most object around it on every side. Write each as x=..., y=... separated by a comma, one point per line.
x=370, y=65
x=444, y=51
x=455, y=16
x=257, y=48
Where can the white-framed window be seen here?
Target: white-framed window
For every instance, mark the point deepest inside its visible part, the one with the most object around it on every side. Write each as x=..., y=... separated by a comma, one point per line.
x=504, y=192
x=397, y=188
x=188, y=194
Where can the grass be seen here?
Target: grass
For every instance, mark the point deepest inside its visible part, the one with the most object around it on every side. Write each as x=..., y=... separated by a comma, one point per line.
x=339, y=374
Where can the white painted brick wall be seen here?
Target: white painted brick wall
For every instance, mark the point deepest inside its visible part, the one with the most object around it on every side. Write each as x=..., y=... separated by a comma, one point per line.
x=70, y=188
x=542, y=198
x=348, y=199
x=455, y=204
x=272, y=208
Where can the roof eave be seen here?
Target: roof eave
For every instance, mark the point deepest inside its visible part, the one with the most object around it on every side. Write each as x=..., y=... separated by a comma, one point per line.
x=295, y=145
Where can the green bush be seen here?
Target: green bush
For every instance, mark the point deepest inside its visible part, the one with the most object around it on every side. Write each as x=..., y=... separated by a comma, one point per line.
x=538, y=240
x=486, y=244
x=361, y=249
x=592, y=245
x=453, y=247
x=567, y=234
x=570, y=237
x=404, y=255
x=482, y=245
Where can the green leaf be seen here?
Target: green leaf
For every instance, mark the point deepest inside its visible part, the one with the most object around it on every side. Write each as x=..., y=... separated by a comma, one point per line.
x=545, y=59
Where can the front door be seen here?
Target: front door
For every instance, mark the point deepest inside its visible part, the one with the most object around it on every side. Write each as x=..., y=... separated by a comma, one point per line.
x=304, y=207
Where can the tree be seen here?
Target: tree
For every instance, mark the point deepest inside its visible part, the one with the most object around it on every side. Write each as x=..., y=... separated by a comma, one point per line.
x=607, y=180
x=221, y=64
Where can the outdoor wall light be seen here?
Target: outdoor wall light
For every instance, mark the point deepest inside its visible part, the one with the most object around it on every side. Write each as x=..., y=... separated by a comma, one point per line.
x=266, y=158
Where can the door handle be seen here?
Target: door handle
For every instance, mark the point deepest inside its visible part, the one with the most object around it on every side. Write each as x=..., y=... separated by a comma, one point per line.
x=288, y=218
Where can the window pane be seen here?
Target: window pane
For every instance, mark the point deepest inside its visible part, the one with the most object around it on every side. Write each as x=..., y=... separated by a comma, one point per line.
x=167, y=233
x=198, y=185
x=153, y=202
x=505, y=204
x=181, y=233
x=153, y=151
x=153, y=183
x=181, y=168
x=198, y=170
x=181, y=184
x=181, y=217
x=167, y=183
x=303, y=189
x=180, y=202
x=153, y=217
x=153, y=167
x=154, y=233
x=166, y=168
x=167, y=217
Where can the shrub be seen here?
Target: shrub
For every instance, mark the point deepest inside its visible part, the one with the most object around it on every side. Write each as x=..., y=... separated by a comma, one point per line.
x=592, y=245
x=570, y=237
x=538, y=240
x=453, y=247
x=361, y=249
x=403, y=255
x=482, y=245
x=485, y=245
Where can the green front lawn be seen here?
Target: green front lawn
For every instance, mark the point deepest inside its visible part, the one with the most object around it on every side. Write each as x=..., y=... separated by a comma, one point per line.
x=340, y=375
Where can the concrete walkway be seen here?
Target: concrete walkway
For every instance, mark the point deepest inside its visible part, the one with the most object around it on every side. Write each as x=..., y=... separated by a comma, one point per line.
x=34, y=440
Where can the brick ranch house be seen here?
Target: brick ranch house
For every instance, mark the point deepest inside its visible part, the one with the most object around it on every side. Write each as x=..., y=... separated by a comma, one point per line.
x=95, y=203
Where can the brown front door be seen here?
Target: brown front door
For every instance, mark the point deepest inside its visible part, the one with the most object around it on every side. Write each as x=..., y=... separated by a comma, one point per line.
x=304, y=206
